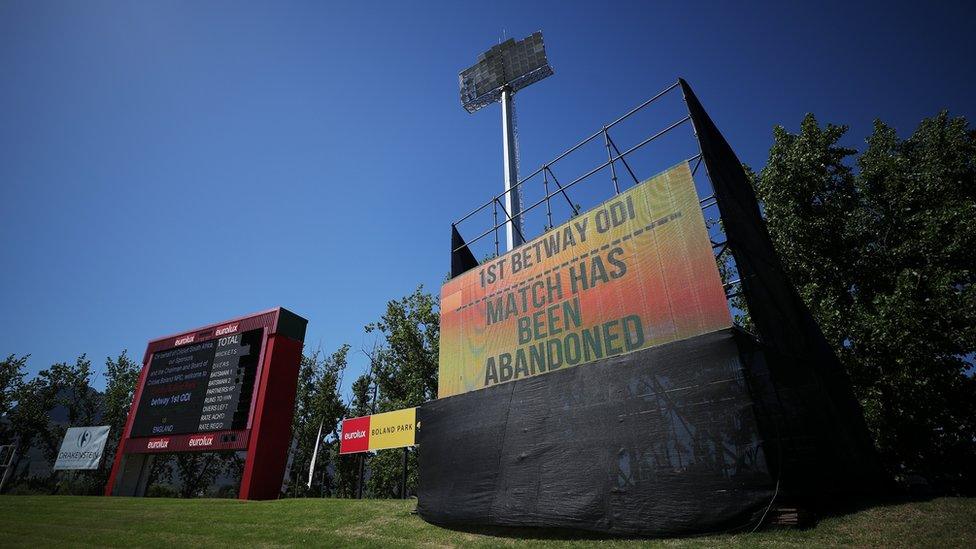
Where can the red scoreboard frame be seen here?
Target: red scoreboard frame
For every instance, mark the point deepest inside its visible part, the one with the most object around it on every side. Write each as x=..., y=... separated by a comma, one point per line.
x=267, y=434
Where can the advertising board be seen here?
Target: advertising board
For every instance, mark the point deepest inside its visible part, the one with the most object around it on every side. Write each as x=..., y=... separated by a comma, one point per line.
x=82, y=448
x=631, y=273
x=379, y=431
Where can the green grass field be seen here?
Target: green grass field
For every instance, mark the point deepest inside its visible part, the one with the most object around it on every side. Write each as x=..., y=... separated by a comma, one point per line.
x=66, y=521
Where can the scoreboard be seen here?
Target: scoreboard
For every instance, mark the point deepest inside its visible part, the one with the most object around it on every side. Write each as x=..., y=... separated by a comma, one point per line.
x=200, y=387
x=228, y=386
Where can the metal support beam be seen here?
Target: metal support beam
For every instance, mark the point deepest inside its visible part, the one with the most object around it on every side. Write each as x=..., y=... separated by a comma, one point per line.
x=508, y=219
x=613, y=169
x=562, y=190
x=545, y=182
x=494, y=214
x=622, y=159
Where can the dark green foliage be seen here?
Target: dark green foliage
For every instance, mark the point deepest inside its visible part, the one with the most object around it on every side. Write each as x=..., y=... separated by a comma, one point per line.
x=28, y=419
x=318, y=405
x=406, y=364
x=69, y=386
x=193, y=474
x=121, y=376
x=406, y=375
x=386, y=473
x=64, y=387
x=884, y=257
x=300, y=448
x=11, y=378
x=198, y=470
x=361, y=404
x=345, y=471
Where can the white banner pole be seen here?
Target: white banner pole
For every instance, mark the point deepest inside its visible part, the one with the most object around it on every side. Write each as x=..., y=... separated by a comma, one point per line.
x=315, y=453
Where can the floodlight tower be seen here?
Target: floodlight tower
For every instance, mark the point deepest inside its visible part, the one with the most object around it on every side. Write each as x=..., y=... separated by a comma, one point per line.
x=499, y=73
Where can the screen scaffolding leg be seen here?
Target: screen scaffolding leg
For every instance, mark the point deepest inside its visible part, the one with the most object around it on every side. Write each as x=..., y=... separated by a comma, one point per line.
x=133, y=478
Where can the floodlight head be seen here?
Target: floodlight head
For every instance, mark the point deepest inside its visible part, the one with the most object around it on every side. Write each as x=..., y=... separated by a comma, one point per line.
x=511, y=64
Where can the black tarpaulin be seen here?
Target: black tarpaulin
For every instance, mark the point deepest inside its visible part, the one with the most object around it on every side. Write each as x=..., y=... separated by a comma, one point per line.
x=461, y=257
x=813, y=405
x=661, y=441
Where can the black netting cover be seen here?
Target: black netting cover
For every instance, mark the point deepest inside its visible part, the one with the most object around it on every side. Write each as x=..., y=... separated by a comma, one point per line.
x=657, y=442
x=461, y=257
x=816, y=411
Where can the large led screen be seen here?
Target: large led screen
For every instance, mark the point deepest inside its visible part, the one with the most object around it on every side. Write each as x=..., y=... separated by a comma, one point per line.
x=634, y=272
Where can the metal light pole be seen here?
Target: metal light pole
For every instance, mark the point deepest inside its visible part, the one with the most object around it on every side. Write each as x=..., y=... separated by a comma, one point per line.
x=513, y=201
x=499, y=73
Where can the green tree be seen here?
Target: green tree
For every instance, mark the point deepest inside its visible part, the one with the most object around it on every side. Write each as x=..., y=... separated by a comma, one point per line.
x=65, y=388
x=405, y=367
x=345, y=471
x=362, y=396
x=197, y=471
x=121, y=376
x=11, y=378
x=329, y=409
x=301, y=419
x=23, y=415
x=807, y=192
x=29, y=418
x=318, y=405
x=883, y=258
x=406, y=364
x=68, y=386
x=386, y=473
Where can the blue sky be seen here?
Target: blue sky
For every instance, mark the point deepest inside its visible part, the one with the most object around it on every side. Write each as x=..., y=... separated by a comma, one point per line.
x=166, y=165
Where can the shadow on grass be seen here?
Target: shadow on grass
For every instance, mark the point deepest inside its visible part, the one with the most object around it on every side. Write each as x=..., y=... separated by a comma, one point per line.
x=841, y=508
x=534, y=533
x=815, y=513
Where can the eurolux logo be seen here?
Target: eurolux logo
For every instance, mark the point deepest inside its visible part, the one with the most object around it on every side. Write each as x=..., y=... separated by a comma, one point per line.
x=185, y=339
x=226, y=330
x=158, y=443
x=201, y=440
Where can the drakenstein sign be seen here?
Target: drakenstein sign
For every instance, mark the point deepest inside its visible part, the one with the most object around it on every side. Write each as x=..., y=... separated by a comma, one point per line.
x=82, y=448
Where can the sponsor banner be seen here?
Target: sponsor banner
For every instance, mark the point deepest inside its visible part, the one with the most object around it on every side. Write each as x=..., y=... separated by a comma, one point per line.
x=82, y=448
x=634, y=272
x=379, y=431
x=355, y=435
x=201, y=442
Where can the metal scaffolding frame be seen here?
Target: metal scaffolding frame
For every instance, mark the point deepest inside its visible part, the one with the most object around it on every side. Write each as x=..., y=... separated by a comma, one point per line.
x=615, y=156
